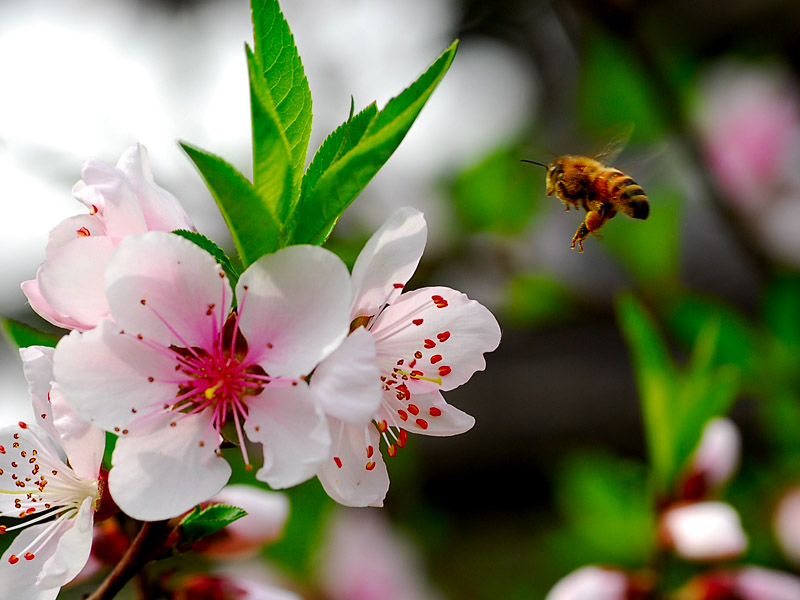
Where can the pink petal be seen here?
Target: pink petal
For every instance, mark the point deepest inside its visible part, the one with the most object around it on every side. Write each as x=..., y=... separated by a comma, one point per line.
x=168, y=289
x=704, y=531
x=294, y=308
x=294, y=433
x=71, y=229
x=161, y=210
x=439, y=331
x=388, y=260
x=347, y=383
x=72, y=281
x=591, y=583
x=43, y=309
x=106, y=377
x=345, y=475
x=108, y=189
x=82, y=443
x=168, y=471
x=427, y=414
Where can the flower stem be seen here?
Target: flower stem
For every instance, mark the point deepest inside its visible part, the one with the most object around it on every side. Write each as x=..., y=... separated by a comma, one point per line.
x=145, y=547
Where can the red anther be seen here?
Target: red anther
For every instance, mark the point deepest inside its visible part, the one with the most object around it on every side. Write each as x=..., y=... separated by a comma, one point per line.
x=422, y=423
x=443, y=337
x=444, y=370
x=338, y=461
x=439, y=301
x=83, y=232
x=2, y=529
x=413, y=409
x=436, y=358
x=29, y=556
x=403, y=393
x=370, y=465
x=2, y=449
x=435, y=412
x=92, y=210
x=429, y=343
x=403, y=415
x=417, y=322
x=392, y=450
x=370, y=451
x=23, y=424
x=417, y=374
x=382, y=426
x=399, y=286
x=13, y=559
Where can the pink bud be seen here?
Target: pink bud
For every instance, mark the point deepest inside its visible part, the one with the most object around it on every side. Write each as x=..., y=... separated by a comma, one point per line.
x=704, y=531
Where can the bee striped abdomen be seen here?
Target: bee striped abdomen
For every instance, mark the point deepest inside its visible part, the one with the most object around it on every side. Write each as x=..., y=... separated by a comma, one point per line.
x=627, y=195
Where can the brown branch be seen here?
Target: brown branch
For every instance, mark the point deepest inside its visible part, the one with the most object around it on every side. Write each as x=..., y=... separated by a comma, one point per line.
x=148, y=545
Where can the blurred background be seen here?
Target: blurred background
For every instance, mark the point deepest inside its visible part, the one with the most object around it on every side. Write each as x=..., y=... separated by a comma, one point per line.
x=547, y=479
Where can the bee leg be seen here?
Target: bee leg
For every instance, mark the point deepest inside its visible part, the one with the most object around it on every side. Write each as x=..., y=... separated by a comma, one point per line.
x=593, y=221
x=580, y=235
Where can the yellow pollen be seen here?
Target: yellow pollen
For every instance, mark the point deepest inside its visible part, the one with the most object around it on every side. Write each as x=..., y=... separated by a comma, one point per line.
x=211, y=392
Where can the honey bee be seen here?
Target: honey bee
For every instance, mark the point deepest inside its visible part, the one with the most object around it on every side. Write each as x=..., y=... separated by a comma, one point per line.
x=581, y=181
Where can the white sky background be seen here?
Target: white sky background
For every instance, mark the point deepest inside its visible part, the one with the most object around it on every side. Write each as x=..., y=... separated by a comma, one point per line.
x=92, y=77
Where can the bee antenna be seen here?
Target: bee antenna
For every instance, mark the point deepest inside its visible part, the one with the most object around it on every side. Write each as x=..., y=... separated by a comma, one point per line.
x=533, y=162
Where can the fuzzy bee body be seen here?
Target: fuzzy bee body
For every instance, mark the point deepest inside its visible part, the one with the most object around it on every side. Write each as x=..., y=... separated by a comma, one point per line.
x=583, y=182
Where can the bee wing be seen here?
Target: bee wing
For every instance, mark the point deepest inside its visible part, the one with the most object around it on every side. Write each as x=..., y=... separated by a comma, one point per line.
x=619, y=139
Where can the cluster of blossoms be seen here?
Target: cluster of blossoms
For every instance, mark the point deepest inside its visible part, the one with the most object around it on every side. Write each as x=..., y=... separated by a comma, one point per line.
x=699, y=529
x=319, y=366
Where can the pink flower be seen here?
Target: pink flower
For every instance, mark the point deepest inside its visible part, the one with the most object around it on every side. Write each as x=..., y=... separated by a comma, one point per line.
x=704, y=531
x=176, y=369
x=266, y=516
x=591, y=583
x=426, y=341
x=49, y=478
x=363, y=558
x=69, y=289
x=786, y=524
x=715, y=460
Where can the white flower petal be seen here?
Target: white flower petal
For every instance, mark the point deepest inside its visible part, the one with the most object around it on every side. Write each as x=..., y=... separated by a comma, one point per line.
x=439, y=332
x=294, y=308
x=168, y=289
x=705, y=531
x=19, y=580
x=72, y=281
x=72, y=551
x=161, y=210
x=101, y=365
x=292, y=428
x=347, y=383
x=388, y=260
x=345, y=475
x=165, y=473
x=427, y=414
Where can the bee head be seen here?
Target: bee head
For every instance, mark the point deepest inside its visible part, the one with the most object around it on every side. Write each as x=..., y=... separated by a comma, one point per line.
x=555, y=172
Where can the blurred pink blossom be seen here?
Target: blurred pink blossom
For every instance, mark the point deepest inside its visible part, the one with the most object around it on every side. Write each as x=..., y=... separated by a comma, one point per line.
x=786, y=524
x=715, y=460
x=704, y=531
x=363, y=558
x=745, y=583
x=591, y=583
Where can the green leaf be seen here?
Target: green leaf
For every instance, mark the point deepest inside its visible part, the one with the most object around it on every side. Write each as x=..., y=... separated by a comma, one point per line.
x=343, y=139
x=273, y=176
x=781, y=309
x=324, y=200
x=499, y=194
x=204, y=521
x=212, y=248
x=676, y=404
x=656, y=380
x=286, y=84
x=21, y=335
x=250, y=220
